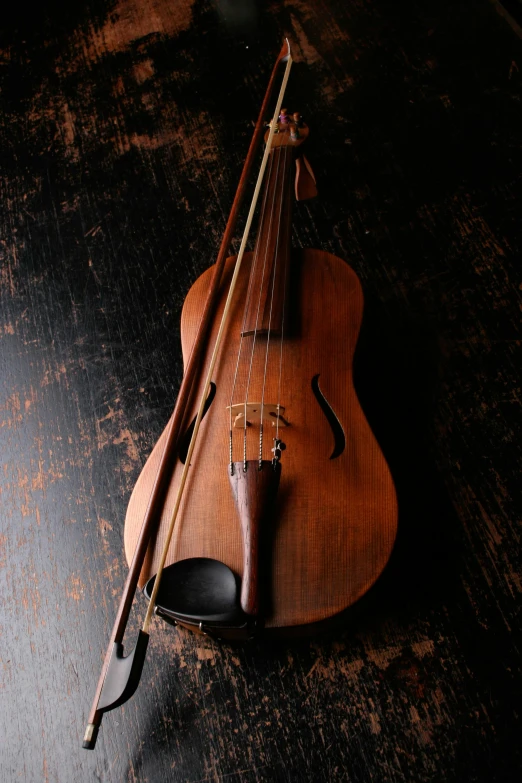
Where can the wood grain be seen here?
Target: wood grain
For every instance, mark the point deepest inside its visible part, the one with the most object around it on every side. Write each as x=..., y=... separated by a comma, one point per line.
x=255, y=494
x=268, y=289
x=123, y=132
x=335, y=520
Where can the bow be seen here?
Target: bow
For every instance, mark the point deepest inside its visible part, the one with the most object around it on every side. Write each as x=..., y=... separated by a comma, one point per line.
x=120, y=675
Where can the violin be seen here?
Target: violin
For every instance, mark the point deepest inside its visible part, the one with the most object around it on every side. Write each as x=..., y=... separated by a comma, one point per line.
x=266, y=505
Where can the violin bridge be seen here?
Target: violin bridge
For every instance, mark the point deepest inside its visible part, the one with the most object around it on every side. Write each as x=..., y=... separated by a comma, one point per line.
x=271, y=414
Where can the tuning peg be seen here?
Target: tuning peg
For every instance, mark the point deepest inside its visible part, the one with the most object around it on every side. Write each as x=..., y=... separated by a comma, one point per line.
x=279, y=447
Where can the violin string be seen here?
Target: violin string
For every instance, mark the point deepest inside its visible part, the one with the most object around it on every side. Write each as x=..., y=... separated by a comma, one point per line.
x=254, y=340
x=281, y=188
x=245, y=311
x=278, y=409
x=279, y=382
x=258, y=248
x=213, y=359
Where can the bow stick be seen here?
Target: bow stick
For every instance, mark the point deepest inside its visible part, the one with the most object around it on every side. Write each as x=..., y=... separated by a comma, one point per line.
x=120, y=675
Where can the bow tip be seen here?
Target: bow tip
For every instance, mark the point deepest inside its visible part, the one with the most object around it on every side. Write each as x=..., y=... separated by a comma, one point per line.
x=285, y=51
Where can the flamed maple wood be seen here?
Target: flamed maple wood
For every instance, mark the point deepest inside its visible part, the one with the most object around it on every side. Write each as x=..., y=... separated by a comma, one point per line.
x=334, y=523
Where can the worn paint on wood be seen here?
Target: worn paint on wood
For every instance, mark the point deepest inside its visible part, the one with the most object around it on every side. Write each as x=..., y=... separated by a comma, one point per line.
x=123, y=130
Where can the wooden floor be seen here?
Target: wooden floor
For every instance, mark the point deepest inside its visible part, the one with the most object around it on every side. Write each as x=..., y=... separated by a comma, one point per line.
x=123, y=129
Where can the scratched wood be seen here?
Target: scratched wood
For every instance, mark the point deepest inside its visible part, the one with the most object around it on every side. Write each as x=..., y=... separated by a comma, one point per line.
x=123, y=128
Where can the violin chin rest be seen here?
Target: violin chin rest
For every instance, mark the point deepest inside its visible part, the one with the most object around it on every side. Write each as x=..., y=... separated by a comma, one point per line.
x=198, y=590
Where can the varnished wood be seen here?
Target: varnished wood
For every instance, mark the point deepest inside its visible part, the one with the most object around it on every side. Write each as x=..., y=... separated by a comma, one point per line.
x=305, y=588
x=254, y=490
x=335, y=520
x=268, y=288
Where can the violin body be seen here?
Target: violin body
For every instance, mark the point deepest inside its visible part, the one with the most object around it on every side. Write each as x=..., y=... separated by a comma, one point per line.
x=332, y=526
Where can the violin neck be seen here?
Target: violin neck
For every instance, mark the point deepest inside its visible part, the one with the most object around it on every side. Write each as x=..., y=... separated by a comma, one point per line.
x=268, y=286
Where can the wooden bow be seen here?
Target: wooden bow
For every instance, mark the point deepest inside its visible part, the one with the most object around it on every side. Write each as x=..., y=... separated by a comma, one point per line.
x=120, y=675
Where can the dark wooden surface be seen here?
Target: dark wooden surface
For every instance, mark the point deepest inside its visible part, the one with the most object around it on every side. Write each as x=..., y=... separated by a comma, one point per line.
x=122, y=133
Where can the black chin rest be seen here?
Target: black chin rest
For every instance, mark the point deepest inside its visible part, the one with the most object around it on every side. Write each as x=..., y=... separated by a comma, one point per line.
x=198, y=590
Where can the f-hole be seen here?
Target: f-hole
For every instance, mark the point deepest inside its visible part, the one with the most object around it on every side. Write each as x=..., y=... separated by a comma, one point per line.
x=333, y=421
x=185, y=440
